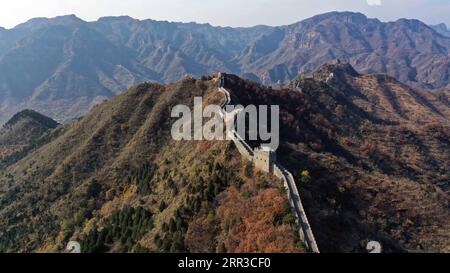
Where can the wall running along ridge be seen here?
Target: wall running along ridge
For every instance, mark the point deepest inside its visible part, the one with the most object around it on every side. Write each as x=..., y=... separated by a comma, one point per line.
x=305, y=231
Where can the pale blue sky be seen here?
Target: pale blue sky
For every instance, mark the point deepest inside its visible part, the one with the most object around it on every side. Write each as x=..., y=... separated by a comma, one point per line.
x=222, y=12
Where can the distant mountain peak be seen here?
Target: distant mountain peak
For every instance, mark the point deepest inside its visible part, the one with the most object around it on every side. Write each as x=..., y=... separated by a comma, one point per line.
x=341, y=14
x=412, y=24
x=43, y=21
x=117, y=18
x=347, y=16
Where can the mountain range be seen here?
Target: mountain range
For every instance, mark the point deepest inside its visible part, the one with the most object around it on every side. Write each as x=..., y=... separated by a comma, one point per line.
x=63, y=66
x=369, y=153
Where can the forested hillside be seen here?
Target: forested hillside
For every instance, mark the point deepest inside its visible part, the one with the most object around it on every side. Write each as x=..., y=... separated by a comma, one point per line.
x=116, y=181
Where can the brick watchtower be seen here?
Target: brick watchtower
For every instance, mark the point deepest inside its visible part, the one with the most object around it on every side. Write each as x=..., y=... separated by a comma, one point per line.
x=264, y=159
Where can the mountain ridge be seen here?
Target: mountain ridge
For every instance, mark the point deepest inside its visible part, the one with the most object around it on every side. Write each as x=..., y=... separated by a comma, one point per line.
x=82, y=63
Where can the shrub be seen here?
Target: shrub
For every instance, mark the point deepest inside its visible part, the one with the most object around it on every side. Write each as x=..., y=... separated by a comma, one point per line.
x=305, y=178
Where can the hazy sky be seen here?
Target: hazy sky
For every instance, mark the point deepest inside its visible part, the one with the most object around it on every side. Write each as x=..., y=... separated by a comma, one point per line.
x=222, y=12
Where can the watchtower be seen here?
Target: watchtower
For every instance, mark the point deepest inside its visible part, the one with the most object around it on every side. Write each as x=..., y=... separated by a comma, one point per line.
x=264, y=159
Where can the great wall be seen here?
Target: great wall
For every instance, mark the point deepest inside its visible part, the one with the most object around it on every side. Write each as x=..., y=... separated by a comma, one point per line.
x=254, y=156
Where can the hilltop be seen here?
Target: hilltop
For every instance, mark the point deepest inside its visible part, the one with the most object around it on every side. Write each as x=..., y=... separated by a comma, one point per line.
x=23, y=129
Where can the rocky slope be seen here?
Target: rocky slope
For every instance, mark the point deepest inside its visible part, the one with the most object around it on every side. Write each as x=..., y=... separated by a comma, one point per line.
x=67, y=65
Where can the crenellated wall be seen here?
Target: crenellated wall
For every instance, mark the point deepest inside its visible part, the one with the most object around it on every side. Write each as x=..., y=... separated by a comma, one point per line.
x=243, y=148
x=306, y=233
x=279, y=171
